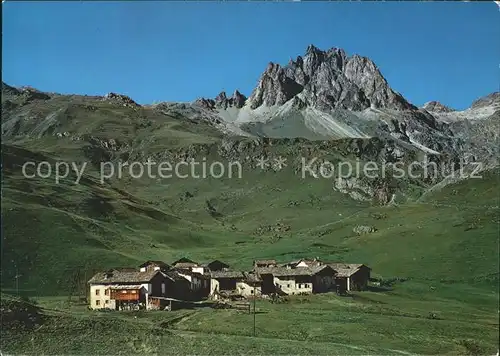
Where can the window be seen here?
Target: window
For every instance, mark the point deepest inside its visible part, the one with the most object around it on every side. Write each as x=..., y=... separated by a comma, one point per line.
x=251, y=291
x=106, y=292
x=97, y=302
x=288, y=286
x=106, y=302
x=97, y=292
x=163, y=288
x=124, y=291
x=300, y=286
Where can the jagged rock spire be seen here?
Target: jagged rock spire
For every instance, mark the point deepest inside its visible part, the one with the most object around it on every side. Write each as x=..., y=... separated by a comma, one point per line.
x=322, y=79
x=327, y=80
x=221, y=101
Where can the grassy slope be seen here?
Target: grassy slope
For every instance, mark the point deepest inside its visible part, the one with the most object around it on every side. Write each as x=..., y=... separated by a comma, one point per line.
x=445, y=247
x=412, y=318
x=106, y=226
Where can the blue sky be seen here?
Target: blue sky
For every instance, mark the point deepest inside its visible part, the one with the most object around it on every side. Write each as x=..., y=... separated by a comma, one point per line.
x=179, y=51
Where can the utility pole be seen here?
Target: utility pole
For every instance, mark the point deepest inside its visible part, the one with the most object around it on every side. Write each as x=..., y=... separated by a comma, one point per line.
x=254, y=301
x=17, y=280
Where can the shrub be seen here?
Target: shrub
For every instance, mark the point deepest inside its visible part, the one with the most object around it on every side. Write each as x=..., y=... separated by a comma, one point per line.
x=472, y=347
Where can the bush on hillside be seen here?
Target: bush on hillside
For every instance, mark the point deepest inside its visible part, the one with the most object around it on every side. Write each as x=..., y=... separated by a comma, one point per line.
x=472, y=347
x=389, y=282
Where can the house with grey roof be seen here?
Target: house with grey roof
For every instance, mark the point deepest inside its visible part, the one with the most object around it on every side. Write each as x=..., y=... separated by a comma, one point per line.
x=217, y=265
x=348, y=276
x=303, y=262
x=154, y=265
x=351, y=276
x=300, y=280
x=264, y=263
x=234, y=283
x=224, y=281
x=126, y=289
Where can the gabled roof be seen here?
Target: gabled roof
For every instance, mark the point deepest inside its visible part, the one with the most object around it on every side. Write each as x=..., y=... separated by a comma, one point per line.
x=155, y=263
x=346, y=269
x=226, y=274
x=122, y=269
x=264, y=262
x=294, y=262
x=189, y=272
x=341, y=272
x=123, y=276
x=217, y=261
x=309, y=262
x=299, y=271
x=251, y=277
x=175, y=276
x=184, y=260
x=185, y=265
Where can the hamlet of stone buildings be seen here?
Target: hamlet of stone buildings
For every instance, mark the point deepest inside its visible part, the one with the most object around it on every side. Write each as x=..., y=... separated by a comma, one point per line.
x=156, y=285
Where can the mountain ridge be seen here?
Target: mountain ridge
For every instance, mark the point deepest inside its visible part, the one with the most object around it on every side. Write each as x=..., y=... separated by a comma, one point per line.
x=324, y=94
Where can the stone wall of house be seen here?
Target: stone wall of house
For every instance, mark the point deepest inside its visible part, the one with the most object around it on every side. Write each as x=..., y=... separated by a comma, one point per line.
x=247, y=290
x=359, y=280
x=324, y=283
x=214, y=286
x=289, y=285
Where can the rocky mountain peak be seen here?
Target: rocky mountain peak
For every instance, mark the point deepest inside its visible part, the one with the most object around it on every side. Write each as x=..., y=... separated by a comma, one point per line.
x=120, y=98
x=436, y=106
x=9, y=90
x=238, y=99
x=488, y=100
x=221, y=97
x=26, y=93
x=312, y=49
x=221, y=101
x=327, y=80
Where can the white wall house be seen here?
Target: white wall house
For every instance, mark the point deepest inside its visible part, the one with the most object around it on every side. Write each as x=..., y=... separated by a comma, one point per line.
x=102, y=285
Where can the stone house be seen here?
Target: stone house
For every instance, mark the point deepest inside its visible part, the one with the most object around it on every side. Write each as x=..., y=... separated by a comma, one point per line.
x=250, y=285
x=120, y=289
x=187, y=264
x=234, y=283
x=154, y=265
x=199, y=283
x=351, y=276
x=348, y=276
x=264, y=263
x=224, y=281
x=301, y=280
x=177, y=286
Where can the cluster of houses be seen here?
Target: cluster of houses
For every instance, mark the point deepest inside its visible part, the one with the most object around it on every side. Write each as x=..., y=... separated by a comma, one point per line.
x=154, y=284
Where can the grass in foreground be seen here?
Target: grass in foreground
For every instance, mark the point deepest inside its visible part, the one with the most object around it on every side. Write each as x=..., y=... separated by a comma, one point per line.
x=411, y=318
